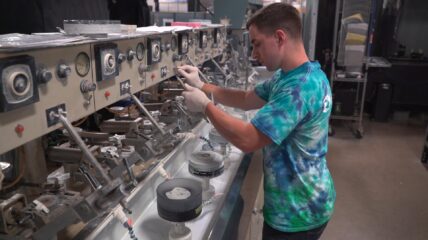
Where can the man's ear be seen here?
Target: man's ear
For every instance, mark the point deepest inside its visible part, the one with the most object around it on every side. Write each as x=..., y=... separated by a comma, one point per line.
x=281, y=36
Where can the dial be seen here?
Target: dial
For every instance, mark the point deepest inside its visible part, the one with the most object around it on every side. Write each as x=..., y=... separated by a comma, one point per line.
x=82, y=64
x=204, y=40
x=184, y=44
x=156, y=51
x=173, y=43
x=140, y=51
x=217, y=37
x=21, y=84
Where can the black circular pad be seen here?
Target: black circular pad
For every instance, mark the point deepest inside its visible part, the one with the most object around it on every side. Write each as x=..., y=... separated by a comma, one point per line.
x=179, y=199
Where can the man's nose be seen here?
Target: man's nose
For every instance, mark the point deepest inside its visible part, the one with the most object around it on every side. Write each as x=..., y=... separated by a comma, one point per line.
x=253, y=54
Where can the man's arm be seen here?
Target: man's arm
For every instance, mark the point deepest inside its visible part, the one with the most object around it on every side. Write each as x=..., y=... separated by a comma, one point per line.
x=245, y=100
x=240, y=133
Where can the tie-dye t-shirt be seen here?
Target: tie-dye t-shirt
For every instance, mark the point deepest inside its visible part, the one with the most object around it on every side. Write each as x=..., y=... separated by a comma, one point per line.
x=299, y=190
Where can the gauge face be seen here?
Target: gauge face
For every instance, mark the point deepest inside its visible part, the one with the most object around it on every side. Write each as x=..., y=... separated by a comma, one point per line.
x=173, y=43
x=203, y=39
x=82, y=64
x=21, y=84
x=140, y=51
x=156, y=51
x=183, y=43
x=218, y=36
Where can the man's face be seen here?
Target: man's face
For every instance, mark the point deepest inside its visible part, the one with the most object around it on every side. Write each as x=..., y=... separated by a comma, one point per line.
x=265, y=49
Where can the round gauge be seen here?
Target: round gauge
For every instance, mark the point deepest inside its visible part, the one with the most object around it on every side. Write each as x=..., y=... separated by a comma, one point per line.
x=184, y=44
x=109, y=62
x=140, y=51
x=218, y=37
x=82, y=64
x=204, y=40
x=156, y=51
x=173, y=43
x=20, y=84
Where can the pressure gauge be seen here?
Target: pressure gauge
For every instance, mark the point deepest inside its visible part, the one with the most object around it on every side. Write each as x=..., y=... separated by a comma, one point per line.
x=203, y=39
x=183, y=43
x=173, y=43
x=82, y=64
x=217, y=37
x=140, y=51
x=154, y=52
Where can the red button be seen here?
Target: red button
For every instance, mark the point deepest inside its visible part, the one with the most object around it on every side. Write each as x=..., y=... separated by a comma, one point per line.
x=107, y=94
x=19, y=129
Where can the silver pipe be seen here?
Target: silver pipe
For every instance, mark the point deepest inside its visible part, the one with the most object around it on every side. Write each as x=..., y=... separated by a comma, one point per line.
x=147, y=113
x=82, y=145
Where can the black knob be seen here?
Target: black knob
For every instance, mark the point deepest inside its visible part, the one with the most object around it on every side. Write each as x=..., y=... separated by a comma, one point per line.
x=63, y=70
x=131, y=55
x=44, y=76
x=121, y=57
x=87, y=86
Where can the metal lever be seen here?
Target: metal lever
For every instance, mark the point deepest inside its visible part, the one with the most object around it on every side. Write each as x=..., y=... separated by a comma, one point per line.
x=93, y=181
x=180, y=81
x=81, y=144
x=147, y=113
x=199, y=71
x=181, y=109
x=128, y=169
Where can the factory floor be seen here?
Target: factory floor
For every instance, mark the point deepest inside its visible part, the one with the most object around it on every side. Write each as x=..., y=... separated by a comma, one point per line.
x=381, y=185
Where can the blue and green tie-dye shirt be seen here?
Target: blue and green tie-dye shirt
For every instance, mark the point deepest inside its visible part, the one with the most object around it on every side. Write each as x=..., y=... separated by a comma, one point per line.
x=299, y=190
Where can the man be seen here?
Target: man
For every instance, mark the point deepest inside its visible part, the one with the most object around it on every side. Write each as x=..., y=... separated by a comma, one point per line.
x=291, y=125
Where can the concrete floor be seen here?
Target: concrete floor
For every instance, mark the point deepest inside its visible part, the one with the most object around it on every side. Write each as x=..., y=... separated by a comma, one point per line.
x=381, y=185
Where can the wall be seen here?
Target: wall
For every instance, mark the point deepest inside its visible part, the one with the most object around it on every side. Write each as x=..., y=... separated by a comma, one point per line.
x=413, y=26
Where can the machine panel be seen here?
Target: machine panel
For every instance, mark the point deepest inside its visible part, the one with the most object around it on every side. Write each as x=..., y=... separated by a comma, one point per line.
x=57, y=83
x=130, y=60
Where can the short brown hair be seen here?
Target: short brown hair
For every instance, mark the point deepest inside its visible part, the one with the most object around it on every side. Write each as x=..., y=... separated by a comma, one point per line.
x=278, y=16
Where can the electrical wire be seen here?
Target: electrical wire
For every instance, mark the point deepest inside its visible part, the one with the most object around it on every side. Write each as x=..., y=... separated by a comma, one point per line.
x=79, y=122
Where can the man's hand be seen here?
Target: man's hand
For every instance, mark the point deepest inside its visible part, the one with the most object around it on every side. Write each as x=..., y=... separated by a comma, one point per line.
x=192, y=75
x=194, y=99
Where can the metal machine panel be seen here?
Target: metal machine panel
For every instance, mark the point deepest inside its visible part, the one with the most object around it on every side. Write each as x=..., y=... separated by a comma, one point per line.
x=131, y=58
x=169, y=55
x=18, y=82
x=58, y=83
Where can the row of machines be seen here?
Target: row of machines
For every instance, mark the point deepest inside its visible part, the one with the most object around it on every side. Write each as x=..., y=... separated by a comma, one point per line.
x=84, y=122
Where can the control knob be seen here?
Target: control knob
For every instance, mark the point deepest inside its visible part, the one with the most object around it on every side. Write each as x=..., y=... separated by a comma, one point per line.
x=43, y=75
x=131, y=55
x=63, y=70
x=120, y=58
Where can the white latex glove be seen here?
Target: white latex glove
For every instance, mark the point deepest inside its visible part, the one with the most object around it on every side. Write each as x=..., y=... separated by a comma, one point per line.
x=191, y=74
x=194, y=99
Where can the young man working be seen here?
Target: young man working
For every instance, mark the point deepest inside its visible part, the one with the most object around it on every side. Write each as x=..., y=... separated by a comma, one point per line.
x=291, y=125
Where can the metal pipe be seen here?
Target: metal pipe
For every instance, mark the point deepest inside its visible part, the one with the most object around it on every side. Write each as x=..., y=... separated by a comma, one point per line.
x=73, y=133
x=147, y=113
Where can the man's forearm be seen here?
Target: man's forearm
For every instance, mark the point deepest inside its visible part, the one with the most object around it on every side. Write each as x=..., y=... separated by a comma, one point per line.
x=228, y=97
x=240, y=133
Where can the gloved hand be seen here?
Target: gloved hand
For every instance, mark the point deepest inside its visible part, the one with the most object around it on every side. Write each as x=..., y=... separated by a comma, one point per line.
x=192, y=75
x=194, y=99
